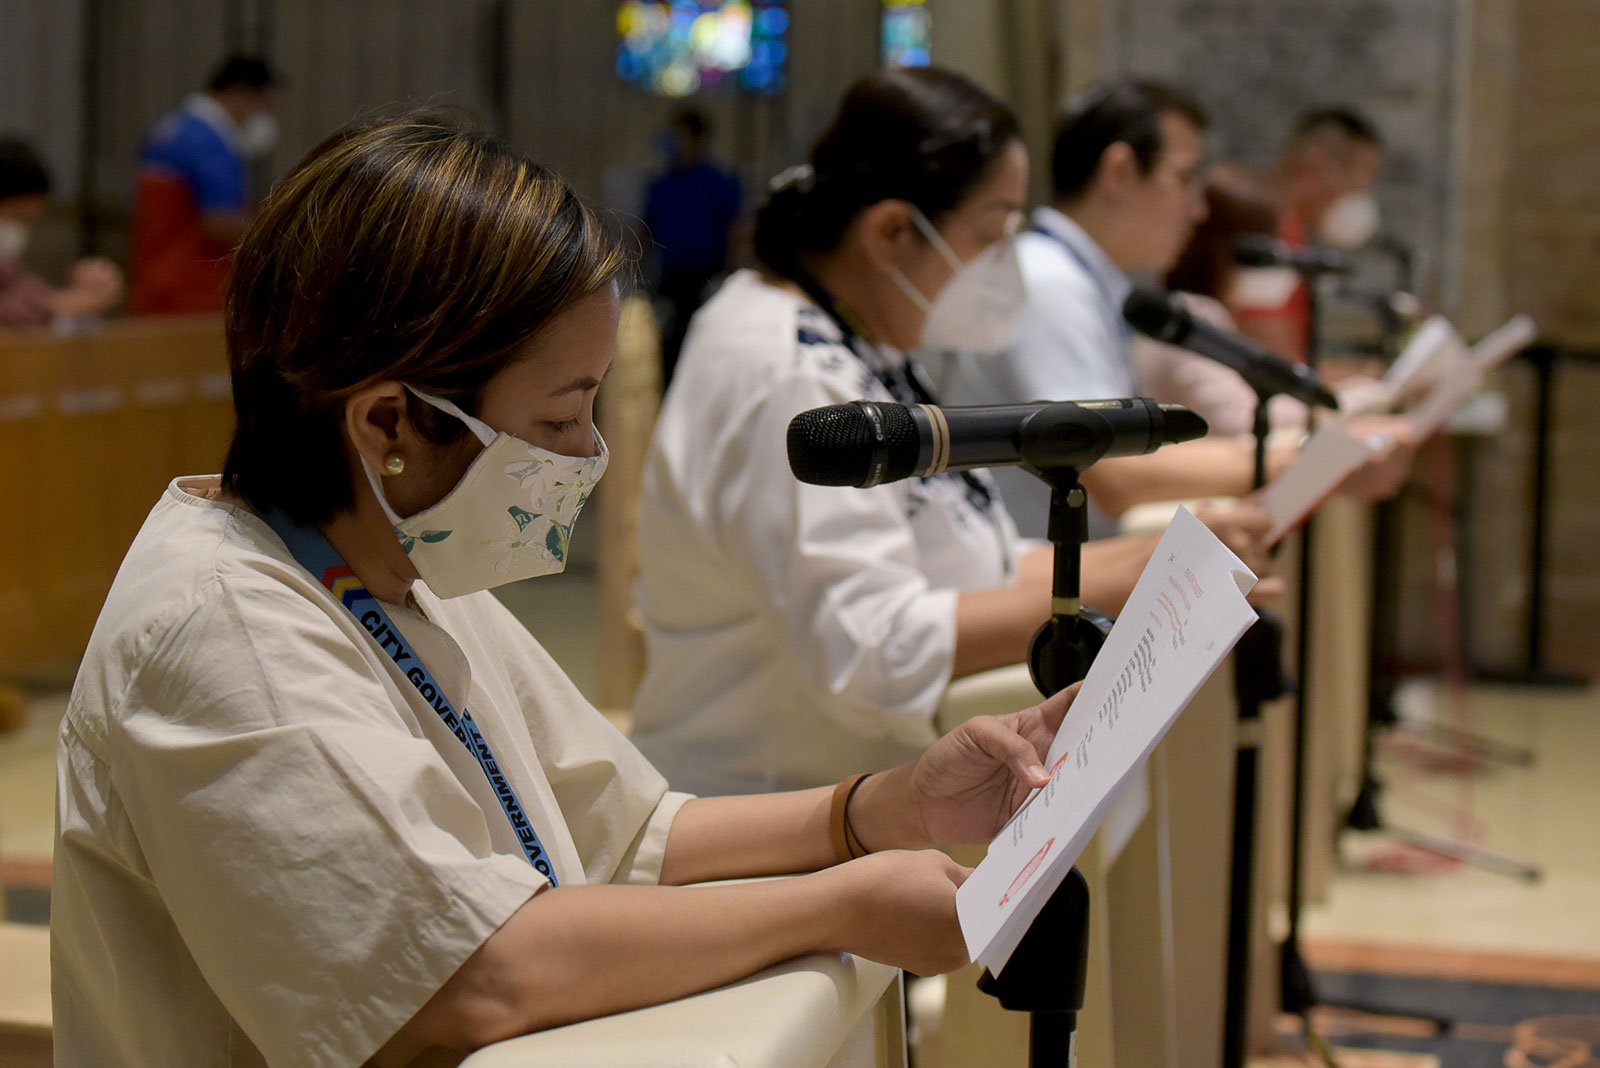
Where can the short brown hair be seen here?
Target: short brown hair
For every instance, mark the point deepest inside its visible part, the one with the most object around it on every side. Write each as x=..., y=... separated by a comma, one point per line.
x=413, y=248
x=1120, y=110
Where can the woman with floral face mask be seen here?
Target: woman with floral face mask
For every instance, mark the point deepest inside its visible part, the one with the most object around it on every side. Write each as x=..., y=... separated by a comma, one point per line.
x=800, y=633
x=321, y=798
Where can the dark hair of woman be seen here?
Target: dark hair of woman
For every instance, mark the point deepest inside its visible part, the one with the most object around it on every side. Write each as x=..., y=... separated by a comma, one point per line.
x=922, y=135
x=1234, y=209
x=414, y=249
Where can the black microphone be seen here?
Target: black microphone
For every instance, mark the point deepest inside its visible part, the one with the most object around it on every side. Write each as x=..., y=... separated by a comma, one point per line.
x=1261, y=250
x=867, y=443
x=1164, y=317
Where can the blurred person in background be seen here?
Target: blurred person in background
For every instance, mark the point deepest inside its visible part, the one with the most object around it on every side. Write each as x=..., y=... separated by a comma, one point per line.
x=1208, y=278
x=94, y=285
x=321, y=798
x=1324, y=184
x=690, y=210
x=191, y=202
x=1128, y=170
x=797, y=633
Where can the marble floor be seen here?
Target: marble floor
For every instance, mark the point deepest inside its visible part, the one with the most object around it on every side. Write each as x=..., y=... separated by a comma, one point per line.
x=1543, y=814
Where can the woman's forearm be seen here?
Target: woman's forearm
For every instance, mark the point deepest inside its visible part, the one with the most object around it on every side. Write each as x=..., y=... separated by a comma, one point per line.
x=785, y=833
x=579, y=952
x=994, y=627
x=742, y=837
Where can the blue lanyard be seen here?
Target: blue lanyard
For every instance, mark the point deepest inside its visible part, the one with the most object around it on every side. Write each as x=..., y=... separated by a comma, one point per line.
x=314, y=553
x=1119, y=326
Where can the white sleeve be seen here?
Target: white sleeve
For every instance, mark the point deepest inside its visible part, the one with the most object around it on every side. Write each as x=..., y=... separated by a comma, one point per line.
x=840, y=567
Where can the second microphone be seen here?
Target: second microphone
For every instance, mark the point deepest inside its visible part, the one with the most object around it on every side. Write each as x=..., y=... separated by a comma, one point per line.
x=867, y=443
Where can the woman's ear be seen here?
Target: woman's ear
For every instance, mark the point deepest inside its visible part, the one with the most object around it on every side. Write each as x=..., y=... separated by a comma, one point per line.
x=378, y=425
x=887, y=234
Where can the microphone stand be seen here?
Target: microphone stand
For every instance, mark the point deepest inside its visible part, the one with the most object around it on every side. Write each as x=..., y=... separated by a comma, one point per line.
x=1065, y=646
x=1298, y=994
x=1047, y=972
x=1297, y=988
x=1258, y=678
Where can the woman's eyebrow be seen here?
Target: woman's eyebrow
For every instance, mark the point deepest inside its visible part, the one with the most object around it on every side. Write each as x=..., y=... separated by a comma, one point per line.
x=577, y=385
x=584, y=384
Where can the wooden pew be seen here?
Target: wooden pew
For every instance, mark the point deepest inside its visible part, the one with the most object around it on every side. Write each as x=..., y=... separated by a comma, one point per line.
x=25, y=1016
x=92, y=428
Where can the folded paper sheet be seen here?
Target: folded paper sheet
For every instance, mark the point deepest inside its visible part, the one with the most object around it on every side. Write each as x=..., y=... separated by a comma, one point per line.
x=1333, y=451
x=1448, y=394
x=1327, y=458
x=1186, y=611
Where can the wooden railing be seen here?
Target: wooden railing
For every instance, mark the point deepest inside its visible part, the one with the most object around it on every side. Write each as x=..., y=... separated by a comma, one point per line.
x=819, y=1011
x=92, y=428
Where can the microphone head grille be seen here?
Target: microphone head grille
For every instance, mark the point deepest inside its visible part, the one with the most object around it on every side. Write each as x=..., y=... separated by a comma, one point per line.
x=847, y=445
x=1157, y=315
x=1257, y=250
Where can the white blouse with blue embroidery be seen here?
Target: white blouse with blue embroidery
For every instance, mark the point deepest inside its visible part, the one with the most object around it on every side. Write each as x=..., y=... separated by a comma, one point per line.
x=795, y=633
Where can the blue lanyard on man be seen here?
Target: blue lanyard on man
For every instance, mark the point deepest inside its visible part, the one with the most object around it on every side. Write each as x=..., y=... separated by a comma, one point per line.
x=314, y=553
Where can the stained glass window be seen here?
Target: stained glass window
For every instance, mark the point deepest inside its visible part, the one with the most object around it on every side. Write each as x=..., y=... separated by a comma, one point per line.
x=683, y=47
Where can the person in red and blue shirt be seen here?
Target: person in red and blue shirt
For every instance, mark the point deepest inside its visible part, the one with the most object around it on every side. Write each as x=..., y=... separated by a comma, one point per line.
x=190, y=204
x=1325, y=181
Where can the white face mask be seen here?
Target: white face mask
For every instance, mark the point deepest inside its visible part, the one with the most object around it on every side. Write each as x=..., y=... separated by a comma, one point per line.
x=977, y=309
x=1350, y=221
x=13, y=240
x=258, y=134
x=509, y=518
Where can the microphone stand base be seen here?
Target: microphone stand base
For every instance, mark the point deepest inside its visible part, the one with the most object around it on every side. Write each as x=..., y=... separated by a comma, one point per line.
x=1046, y=974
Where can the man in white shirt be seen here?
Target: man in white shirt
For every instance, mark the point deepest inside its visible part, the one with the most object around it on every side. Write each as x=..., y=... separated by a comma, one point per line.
x=1127, y=170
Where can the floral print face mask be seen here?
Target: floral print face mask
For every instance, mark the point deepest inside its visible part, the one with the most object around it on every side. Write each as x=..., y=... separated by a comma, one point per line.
x=509, y=518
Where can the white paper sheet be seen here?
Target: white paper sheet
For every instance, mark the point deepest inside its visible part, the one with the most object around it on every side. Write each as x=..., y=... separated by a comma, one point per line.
x=1125, y=815
x=1186, y=611
x=1333, y=452
x=1434, y=352
x=1325, y=460
x=1449, y=393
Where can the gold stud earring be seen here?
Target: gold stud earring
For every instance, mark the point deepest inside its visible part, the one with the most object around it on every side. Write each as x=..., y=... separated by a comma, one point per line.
x=394, y=463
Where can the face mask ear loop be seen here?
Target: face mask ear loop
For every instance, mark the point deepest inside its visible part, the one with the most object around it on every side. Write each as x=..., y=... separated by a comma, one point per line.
x=936, y=239
x=912, y=292
x=481, y=430
x=916, y=296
